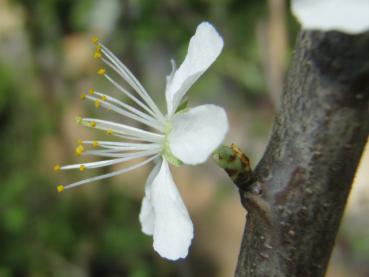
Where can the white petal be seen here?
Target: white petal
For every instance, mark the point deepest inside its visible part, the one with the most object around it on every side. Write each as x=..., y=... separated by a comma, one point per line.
x=171, y=74
x=197, y=133
x=147, y=215
x=349, y=16
x=205, y=46
x=173, y=229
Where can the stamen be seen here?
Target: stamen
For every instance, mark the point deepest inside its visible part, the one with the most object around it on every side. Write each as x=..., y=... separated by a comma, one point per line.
x=122, y=129
x=109, y=132
x=95, y=39
x=101, y=71
x=97, y=103
x=143, y=94
x=83, y=96
x=79, y=150
x=133, y=98
x=129, y=108
x=97, y=55
x=127, y=75
x=103, y=97
x=123, y=145
x=151, y=123
x=119, y=158
x=123, y=150
x=91, y=91
x=57, y=167
x=108, y=175
x=127, y=137
x=60, y=188
x=119, y=155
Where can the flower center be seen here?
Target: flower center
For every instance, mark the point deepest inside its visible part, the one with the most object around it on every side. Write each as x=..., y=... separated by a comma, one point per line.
x=166, y=152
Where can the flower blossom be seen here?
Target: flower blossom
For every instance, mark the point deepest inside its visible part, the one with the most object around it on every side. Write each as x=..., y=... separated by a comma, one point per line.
x=180, y=136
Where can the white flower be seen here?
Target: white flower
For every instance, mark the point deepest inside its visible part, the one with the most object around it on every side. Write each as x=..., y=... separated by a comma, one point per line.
x=187, y=136
x=348, y=16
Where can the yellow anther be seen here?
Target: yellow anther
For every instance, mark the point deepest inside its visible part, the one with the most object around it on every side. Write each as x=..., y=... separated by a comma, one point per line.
x=79, y=150
x=103, y=97
x=92, y=123
x=101, y=71
x=97, y=103
x=82, y=167
x=97, y=55
x=98, y=48
x=95, y=144
x=91, y=91
x=56, y=167
x=109, y=131
x=95, y=39
x=80, y=141
x=83, y=96
x=60, y=188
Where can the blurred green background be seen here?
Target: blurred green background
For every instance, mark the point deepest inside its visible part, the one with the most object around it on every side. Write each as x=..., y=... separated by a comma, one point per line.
x=46, y=62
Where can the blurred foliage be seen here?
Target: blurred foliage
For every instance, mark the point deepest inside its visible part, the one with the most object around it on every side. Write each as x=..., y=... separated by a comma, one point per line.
x=41, y=74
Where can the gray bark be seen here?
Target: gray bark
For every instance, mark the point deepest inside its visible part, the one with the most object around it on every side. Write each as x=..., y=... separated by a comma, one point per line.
x=298, y=191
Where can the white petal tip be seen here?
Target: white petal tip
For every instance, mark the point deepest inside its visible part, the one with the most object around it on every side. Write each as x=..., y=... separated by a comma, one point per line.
x=204, y=48
x=207, y=30
x=176, y=247
x=347, y=16
x=173, y=229
x=147, y=232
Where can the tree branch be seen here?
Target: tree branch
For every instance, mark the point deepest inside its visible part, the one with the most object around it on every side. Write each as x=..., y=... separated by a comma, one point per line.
x=299, y=189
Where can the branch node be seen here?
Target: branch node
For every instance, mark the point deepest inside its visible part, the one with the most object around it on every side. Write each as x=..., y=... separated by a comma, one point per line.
x=236, y=164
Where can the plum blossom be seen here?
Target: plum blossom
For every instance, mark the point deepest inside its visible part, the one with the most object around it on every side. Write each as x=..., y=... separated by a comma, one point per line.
x=180, y=136
x=348, y=16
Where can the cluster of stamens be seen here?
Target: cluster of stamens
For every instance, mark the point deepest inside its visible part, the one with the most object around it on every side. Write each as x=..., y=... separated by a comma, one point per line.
x=134, y=143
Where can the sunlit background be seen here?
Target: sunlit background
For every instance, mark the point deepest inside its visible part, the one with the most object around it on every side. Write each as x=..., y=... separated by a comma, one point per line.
x=46, y=62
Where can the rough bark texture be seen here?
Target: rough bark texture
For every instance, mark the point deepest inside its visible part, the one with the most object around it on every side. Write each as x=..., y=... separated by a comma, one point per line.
x=299, y=189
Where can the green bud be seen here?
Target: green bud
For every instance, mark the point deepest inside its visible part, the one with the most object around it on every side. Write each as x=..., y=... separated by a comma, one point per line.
x=233, y=161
